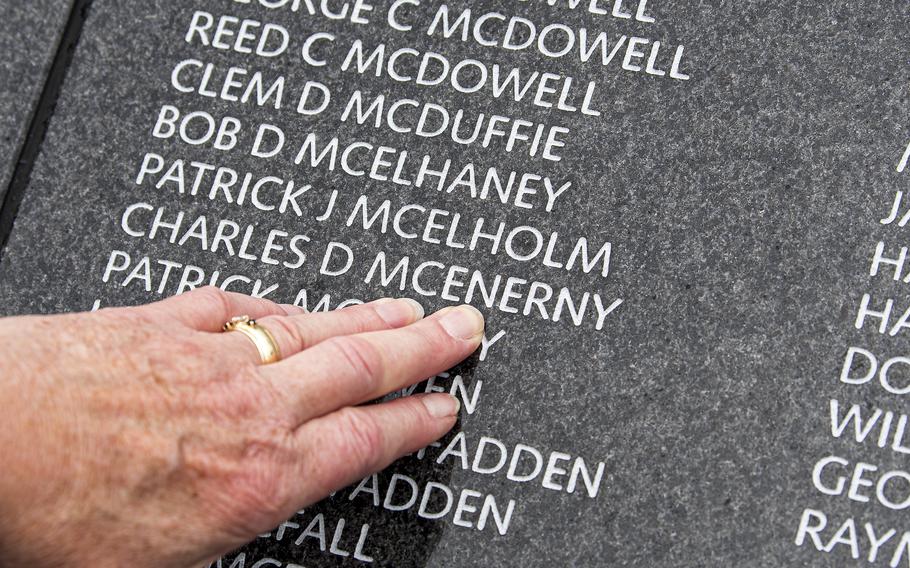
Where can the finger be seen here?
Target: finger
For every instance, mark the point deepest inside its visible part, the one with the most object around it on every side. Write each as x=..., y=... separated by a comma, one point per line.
x=296, y=333
x=207, y=309
x=349, y=444
x=350, y=369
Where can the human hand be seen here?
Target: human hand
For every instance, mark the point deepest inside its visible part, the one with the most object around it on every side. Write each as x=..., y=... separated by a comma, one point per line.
x=146, y=437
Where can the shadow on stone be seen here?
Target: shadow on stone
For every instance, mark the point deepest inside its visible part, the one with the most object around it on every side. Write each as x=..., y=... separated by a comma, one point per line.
x=393, y=519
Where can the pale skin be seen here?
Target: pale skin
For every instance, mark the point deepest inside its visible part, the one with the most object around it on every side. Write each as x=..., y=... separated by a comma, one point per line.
x=146, y=437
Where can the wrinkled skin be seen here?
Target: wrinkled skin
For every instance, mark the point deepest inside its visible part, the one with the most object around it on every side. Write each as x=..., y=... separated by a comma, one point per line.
x=146, y=437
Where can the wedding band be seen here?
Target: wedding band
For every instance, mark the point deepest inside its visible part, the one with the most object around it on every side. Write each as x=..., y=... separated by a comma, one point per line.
x=264, y=341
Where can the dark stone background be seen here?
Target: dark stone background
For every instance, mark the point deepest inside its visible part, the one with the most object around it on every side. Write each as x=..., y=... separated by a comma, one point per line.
x=743, y=205
x=29, y=32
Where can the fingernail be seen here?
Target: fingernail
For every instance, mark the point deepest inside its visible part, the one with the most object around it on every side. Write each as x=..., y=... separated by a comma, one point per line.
x=400, y=312
x=415, y=305
x=463, y=322
x=441, y=405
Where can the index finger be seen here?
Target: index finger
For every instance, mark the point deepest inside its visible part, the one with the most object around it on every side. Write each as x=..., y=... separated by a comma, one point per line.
x=351, y=369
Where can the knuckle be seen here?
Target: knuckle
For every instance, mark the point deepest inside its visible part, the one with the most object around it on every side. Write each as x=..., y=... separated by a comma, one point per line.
x=261, y=495
x=416, y=416
x=369, y=318
x=248, y=396
x=362, y=439
x=360, y=357
x=361, y=318
x=437, y=338
x=216, y=298
x=291, y=309
x=429, y=343
x=293, y=334
x=257, y=483
x=264, y=482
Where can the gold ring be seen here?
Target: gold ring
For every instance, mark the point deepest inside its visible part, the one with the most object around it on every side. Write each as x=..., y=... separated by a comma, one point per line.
x=264, y=341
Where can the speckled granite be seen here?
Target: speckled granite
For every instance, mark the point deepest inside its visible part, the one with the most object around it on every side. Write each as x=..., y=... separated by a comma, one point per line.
x=29, y=32
x=743, y=205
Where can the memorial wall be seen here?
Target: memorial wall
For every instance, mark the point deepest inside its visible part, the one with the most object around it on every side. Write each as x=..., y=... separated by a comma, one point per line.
x=29, y=34
x=684, y=222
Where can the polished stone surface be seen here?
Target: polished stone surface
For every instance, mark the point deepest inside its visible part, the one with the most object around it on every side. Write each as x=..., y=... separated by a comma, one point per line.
x=743, y=206
x=29, y=32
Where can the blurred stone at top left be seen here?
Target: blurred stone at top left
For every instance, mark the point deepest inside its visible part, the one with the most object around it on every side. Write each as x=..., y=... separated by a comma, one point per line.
x=29, y=35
